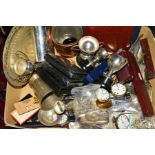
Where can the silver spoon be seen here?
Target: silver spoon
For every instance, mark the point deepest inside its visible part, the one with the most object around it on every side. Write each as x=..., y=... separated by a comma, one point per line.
x=116, y=62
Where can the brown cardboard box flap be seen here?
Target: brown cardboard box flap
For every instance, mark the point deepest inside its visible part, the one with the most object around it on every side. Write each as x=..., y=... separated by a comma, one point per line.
x=14, y=95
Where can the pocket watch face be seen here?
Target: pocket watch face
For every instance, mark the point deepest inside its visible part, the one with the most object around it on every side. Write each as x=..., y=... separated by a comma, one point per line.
x=20, y=44
x=123, y=121
x=102, y=94
x=118, y=89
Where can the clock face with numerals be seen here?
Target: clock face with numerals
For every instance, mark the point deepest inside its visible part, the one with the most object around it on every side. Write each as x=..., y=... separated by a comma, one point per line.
x=118, y=89
x=102, y=94
x=123, y=122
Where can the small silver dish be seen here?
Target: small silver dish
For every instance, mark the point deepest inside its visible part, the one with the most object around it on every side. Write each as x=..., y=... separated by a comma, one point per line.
x=48, y=118
x=88, y=44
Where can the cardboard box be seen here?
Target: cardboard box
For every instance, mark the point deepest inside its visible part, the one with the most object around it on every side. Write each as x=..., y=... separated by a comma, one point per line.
x=15, y=94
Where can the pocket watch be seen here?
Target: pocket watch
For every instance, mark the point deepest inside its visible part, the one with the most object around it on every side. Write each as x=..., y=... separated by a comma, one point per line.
x=122, y=121
x=102, y=95
x=104, y=105
x=118, y=89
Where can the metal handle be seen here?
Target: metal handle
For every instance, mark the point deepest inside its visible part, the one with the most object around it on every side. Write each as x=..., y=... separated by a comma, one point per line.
x=75, y=48
x=101, y=44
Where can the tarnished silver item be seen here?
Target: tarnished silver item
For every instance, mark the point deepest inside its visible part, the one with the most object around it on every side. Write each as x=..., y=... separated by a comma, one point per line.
x=88, y=44
x=19, y=48
x=44, y=93
x=101, y=54
x=41, y=42
x=48, y=118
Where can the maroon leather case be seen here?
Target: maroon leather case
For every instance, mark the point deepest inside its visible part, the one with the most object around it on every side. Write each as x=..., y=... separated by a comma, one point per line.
x=150, y=71
x=139, y=86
